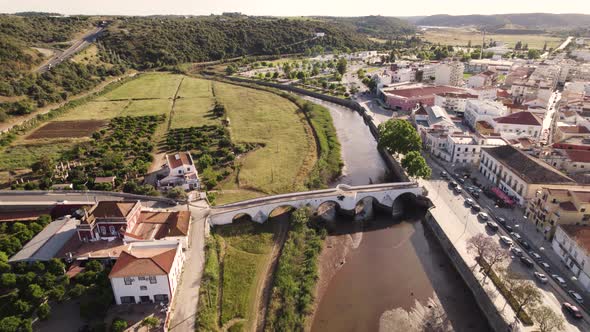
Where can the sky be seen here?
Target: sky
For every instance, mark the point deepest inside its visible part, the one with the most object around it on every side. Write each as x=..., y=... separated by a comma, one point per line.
x=296, y=8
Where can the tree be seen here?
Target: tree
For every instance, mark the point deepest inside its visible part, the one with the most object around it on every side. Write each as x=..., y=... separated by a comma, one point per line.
x=533, y=54
x=176, y=193
x=494, y=255
x=56, y=267
x=204, y=161
x=341, y=66
x=525, y=293
x=8, y=280
x=44, y=166
x=479, y=244
x=415, y=165
x=22, y=307
x=518, y=45
x=35, y=293
x=119, y=325
x=547, y=319
x=399, y=136
x=10, y=324
x=151, y=322
x=361, y=73
x=44, y=311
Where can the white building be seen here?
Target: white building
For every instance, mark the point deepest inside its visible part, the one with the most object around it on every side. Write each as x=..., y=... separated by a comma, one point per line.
x=518, y=174
x=454, y=102
x=403, y=75
x=486, y=78
x=181, y=172
x=485, y=92
x=516, y=125
x=572, y=244
x=483, y=110
x=147, y=272
x=449, y=73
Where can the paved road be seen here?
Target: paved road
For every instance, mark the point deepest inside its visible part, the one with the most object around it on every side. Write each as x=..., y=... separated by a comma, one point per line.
x=552, y=294
x=184, y=308
x=10, y=198
x=76, y=47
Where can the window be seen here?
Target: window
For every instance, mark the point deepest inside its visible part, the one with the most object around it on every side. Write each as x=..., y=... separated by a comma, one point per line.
x=179, y=171
x=188, y=169
x=128, y=280
x=142, y=287
x=583, y=210
x=103, y=229
x=127, y=299
x=153, y=280
x=112, y=230
x=141, y=278
x=161, y=298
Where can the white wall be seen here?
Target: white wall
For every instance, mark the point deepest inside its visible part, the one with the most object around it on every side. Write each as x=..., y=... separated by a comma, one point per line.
x=120, y=289
x=567, y=249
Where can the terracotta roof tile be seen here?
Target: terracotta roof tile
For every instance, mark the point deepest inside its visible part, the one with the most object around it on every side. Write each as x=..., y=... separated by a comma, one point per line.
x=179, y=159
x=574, y=129
x=580, y=156
x=580, y=234
x=520, y=118
x=143, y=262
x=422, y=91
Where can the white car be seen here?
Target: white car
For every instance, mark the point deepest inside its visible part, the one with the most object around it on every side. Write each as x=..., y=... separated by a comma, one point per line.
x=469, y=202
x=516, y=251
x=559, y=279
x=576, y=296
x=506, y=240
x=541, y=277
x=483, y=216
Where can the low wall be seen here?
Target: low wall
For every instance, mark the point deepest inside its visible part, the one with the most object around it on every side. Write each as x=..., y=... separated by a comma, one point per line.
x=485, y=304
x=84, y=193
x=392, y=164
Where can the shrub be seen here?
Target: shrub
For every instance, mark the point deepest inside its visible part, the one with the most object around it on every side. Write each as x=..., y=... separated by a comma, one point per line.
x=44, y=311
x=118, y=325
x=150, y=322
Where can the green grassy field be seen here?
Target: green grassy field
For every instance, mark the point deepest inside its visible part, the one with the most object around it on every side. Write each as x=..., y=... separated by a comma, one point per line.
x=147, y=107
x=264, y=118
x=189, y=112
x=195, y=88
x=461, y=37
x=23, y=155
x=245, y=247
x=149, y=86
x=97, y=110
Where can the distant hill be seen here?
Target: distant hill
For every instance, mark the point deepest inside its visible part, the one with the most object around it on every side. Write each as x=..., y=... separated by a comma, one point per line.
x=527, y=21
x=375, y=26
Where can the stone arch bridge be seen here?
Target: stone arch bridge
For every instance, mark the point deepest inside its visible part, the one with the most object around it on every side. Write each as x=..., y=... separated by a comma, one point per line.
x=386, y=195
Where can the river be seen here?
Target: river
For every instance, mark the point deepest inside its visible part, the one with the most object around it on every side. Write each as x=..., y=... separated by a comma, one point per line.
x=385, y=274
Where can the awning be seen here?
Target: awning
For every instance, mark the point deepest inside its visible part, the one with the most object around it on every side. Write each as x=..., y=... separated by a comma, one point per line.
x=501, y=195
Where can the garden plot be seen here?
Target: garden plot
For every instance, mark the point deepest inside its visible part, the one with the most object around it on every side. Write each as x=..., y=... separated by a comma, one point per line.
x=67, y=129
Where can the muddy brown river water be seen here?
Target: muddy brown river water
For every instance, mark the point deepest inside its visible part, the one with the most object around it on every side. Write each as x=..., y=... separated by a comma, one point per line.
x=385, y=274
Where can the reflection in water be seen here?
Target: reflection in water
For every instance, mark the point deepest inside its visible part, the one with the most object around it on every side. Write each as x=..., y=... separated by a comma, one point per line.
x=368, y=269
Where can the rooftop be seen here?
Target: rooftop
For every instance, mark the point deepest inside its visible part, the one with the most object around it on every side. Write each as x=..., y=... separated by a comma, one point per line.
x=179, y=159
x=579, y=156
x=45, y=245
x=158, y=225
x=144, y=261
x=422, y=91
x=520, y=118
x=574, y=129
x=112, y=209
x=526, y=167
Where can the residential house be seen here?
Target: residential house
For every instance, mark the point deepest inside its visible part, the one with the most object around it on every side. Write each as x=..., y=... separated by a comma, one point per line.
x=108, y=220
x=551, y=208
x=147, y=273
x=520, y=124
x=449, y=73
x=518, y=174
x=160, y=225
x=572, y=244
x=486, y=110
x=487, y=78
x=453, y=102
x=181, y=172
x=406, y=98
x=565, y=132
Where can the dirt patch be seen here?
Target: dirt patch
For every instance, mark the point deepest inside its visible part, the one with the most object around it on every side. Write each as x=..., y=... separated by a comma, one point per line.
x=67, y=129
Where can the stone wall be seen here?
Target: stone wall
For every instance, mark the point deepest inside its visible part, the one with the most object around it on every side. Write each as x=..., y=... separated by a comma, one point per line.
x=495, y=319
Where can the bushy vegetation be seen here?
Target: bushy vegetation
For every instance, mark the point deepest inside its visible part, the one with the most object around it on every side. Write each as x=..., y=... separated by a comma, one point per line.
x=208, y=307
x=148, y=42
x=14, y=235
x=296, y=276
x=27, y=290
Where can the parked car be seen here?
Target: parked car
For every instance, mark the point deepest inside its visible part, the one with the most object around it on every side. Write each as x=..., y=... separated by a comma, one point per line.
x=461, y=180
x=476, y=208
x=506, y=240
x=516, y=236
x=525, y=245
x=572, y=310
x=501, y=220
x=508, y=228
x=444, y=175
x=516, y=251
x=483, y=216
x=545, y=266
x=576, y=296
x=492, y=225
x=453, y=184
x=475, y=195
x=527, y=262
x=469, y=202
x=535, y=256
x=559, y=279
x=457, y=190
x=541, y=277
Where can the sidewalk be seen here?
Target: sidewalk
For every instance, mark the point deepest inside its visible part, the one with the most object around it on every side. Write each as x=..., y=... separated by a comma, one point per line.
x=527, y=229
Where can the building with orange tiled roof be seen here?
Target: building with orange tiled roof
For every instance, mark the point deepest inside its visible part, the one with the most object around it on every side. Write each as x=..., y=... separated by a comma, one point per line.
x=107, y=220
x=181, y=172
x=147, y=272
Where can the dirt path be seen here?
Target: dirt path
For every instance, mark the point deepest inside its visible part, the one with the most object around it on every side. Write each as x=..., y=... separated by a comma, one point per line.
x=18, y=120
x=264, y=291
x=174, y=103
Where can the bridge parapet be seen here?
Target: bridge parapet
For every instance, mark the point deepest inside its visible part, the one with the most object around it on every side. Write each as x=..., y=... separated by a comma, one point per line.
x=346, y=197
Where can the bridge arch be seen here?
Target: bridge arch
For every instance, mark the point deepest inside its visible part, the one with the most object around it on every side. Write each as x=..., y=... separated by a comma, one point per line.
x=280, y=209
x=241, y=216
x=402, y=202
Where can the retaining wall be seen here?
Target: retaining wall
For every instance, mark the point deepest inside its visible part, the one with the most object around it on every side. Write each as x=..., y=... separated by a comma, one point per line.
x=485, y=304
x=84, y=193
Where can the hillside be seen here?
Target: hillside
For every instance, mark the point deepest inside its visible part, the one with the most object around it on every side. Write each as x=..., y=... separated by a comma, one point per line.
x=374, y=26
x=528, y=21
x=154, y=41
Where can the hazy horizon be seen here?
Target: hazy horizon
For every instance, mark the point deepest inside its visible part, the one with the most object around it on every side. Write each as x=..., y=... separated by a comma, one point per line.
x=300, y=8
